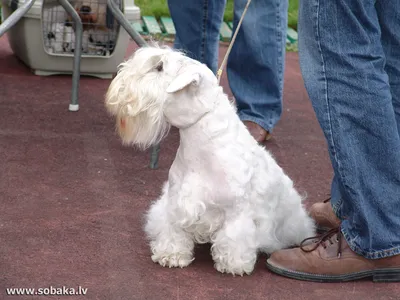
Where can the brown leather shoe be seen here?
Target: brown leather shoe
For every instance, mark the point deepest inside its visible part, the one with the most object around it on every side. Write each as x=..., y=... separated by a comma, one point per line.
x=259, y=133
x=324, y=216
x=329, y=259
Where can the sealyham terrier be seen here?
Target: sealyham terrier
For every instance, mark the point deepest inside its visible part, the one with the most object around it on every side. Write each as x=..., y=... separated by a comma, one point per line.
x=223, y=188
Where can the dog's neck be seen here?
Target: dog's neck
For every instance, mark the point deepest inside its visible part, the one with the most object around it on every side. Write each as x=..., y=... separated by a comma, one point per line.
x=187, y=108
x=214, y=124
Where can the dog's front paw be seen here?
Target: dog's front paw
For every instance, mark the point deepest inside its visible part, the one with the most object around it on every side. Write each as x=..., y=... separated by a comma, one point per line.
x=173, y=260
x=244, y=269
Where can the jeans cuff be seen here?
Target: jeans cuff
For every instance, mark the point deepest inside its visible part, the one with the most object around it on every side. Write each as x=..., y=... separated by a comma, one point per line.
x=376, y=254
x=336, y=207
x=257, y=121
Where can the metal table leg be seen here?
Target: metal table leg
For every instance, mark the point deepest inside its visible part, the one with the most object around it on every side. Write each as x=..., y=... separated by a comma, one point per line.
x=74, y=105
x=125, y=24
x=15, y=16
x=155, y=151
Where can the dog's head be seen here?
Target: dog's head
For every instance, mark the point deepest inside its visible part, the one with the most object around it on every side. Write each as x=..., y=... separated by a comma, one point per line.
x=87, y=11
x=156, y=88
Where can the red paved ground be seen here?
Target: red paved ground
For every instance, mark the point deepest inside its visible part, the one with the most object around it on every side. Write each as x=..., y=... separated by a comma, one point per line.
x=72, y=198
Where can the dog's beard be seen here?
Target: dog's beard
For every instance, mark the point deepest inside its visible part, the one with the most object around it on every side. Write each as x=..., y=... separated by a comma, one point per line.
x=137, y=104
x=144, y=130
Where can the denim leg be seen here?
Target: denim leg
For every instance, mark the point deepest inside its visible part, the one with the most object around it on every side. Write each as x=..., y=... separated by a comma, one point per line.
x=256, y=64
x=197, y=24
x=389, y=19
x=344, y=69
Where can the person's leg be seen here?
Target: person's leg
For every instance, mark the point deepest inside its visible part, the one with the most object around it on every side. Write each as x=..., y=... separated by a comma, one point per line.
x=388, y=15
x=197, y=24
x=344, y=69
x=255, y=66
x=390, y=37
x=343, y=66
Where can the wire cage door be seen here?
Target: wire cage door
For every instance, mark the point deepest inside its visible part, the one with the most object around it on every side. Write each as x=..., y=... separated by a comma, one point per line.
x=100, y=29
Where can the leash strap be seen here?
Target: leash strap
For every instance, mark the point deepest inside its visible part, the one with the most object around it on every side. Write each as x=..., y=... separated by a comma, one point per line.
x=221, y=68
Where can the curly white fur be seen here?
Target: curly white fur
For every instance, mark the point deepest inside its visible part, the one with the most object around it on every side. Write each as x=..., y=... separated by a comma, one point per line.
x=223, y=188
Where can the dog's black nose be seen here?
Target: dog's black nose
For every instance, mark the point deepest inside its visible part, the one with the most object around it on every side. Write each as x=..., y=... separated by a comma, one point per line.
x=85, y=9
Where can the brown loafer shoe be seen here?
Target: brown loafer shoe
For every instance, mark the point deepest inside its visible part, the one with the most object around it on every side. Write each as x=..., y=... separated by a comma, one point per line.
x=259, y=133
x=324, y=216
x=329, y=259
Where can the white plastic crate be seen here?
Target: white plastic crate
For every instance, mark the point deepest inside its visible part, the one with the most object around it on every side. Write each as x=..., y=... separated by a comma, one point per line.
x=44, y=38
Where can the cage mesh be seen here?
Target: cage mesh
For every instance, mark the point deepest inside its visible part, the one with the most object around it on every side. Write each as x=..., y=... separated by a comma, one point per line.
x=100, y=28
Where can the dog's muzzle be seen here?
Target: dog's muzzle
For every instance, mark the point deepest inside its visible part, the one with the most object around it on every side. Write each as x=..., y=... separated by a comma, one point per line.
x=122, y=123
x=85, y=10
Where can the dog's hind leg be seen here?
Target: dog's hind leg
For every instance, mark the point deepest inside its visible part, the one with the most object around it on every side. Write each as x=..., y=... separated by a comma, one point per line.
x=171, y=246
x=234, y=248
x=296, y=227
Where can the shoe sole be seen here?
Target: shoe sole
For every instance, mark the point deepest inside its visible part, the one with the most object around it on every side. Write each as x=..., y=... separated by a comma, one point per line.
x=381, y=275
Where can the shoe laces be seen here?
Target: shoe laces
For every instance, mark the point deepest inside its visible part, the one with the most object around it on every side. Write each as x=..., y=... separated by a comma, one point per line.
x=327, y=200
x=323, y=239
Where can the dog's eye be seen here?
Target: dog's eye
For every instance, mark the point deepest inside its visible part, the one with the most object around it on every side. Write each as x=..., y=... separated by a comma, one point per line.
x=160, y=66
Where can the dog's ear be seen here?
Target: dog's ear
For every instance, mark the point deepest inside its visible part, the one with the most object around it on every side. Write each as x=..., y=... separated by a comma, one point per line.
x=190, y=77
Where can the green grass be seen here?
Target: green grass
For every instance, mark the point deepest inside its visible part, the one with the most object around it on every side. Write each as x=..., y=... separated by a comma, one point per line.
x=156, y=8
x=159, y=8
x=228, y=16
x=293, y=13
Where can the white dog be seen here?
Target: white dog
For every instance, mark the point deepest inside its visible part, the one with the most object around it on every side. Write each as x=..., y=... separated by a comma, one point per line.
x=223, y=188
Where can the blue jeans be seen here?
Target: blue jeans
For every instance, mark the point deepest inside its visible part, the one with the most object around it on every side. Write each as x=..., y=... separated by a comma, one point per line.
x=350, y=61
x=255, y=67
